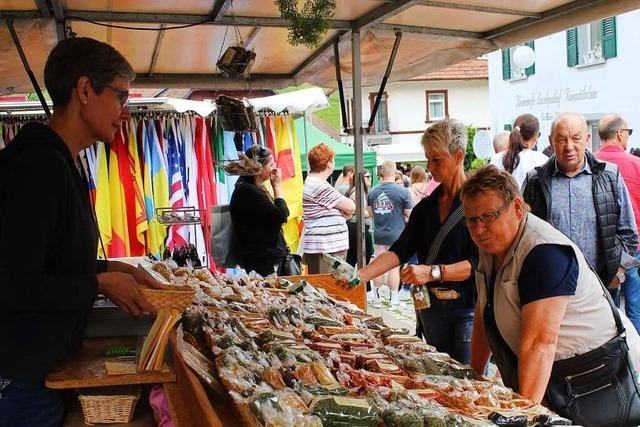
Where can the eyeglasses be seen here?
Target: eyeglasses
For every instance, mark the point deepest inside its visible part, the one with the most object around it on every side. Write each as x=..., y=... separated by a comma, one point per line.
x=123, y=95
x=629, y=131
x=367, y=176
x=485, y=218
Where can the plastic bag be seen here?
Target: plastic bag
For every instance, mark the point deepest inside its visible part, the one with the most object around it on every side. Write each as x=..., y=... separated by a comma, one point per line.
x=346, y=411
x=342, y=271
x=517, y=420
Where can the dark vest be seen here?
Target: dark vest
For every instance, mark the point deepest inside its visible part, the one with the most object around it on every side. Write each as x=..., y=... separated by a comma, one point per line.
x=605, y=177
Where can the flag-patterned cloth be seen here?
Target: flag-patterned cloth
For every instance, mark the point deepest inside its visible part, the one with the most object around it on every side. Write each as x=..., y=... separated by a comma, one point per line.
x=119, y=246
x=178, y=234
x=103, y=202
x=139, y=224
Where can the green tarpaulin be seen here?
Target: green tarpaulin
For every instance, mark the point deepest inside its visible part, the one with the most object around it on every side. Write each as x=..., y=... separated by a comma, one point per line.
x=344, y=153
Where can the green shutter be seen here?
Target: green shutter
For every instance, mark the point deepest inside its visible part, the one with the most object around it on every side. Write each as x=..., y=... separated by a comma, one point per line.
x=506, y=64
x=531, y=70
x=507, y=127
x=572, y=47
x=609, y=48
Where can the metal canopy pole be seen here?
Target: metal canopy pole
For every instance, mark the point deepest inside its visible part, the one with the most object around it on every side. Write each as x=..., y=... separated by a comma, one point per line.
x=387, y=73
x=358, y=144
x=343, y=109
x=25, y=63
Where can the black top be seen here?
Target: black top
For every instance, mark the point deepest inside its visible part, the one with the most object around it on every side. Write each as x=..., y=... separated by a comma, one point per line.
x=558, y=277
x=48, y=246
x=457, y=246
x=257, y=223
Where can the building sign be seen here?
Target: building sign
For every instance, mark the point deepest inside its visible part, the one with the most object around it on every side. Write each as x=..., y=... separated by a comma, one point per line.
x=556, y=97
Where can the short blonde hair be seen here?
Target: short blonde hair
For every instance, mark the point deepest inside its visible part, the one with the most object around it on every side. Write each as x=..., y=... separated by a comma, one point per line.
x=489, y=178
x=418, y=174
x=448, y=136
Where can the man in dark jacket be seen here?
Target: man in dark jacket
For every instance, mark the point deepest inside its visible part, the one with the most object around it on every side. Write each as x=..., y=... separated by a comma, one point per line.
x=49, y=276
x=586, y=199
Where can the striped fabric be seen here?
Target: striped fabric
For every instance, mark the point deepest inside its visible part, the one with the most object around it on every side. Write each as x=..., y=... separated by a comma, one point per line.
x=325, y=227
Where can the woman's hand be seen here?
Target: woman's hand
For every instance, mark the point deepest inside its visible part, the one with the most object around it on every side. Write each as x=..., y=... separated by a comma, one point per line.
x=139, y=275
x=121, y=288
x=275, y=177
x=416, y=274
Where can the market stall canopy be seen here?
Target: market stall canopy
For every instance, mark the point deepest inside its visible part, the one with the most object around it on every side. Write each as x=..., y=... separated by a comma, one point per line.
x=436, y=34
x=344, y=152
x=295, y=103
x=403, y=152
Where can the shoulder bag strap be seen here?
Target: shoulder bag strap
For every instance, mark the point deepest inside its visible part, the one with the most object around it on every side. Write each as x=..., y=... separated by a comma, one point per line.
x=451, y=222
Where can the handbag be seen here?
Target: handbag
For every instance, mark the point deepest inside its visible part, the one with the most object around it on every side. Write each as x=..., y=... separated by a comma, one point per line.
x=222, y=235
x=292, y=265
x=597, y=388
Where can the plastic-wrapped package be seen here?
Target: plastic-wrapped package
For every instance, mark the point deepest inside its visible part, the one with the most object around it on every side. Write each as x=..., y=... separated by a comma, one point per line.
x=273, y=377
x=305, y=375
x=550, y=420
x=508, y=420
x=342, y=271
x=346, y=412
x=402, y=417
x=323, y=374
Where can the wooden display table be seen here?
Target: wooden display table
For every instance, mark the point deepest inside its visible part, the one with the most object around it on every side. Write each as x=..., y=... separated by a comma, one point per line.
x=357, y=295
x=86, y=369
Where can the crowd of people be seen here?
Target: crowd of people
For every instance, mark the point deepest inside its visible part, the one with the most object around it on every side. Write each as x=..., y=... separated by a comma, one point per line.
x=516, y=256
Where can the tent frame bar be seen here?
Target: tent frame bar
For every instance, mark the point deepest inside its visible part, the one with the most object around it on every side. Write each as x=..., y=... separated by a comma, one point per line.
x=343, y=107
x=27, y=68
x=383, y=85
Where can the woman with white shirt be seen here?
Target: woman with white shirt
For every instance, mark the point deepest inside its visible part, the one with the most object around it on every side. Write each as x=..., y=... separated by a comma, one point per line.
x=520, y=157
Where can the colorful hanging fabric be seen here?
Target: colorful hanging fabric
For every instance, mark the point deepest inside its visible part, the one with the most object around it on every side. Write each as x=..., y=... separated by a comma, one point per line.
x=178, y=234
x=292, y=189
x=119, y=246
x=139, y=225
x=206, y=185
x=283, y=146
x=155, y=183
x=103, y=202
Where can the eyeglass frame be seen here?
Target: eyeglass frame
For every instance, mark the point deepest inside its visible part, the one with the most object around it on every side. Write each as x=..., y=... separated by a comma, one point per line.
x=487, y=217
x=121, y=94
x=629, y=130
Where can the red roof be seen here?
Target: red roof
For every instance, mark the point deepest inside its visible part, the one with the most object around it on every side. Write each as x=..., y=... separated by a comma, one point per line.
x=472, y=69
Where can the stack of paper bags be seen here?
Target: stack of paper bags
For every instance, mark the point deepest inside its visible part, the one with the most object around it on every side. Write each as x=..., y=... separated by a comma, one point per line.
x=155, y=344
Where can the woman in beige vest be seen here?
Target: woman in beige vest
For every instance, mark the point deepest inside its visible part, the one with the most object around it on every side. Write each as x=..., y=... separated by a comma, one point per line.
x=539, y=303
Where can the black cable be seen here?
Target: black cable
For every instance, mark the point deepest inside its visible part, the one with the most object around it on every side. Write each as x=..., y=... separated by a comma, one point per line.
x=127, y=27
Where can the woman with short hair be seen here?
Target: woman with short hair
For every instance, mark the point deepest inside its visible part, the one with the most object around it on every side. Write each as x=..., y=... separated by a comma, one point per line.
x=540, y=306
x=446, y=253
x=325, y=212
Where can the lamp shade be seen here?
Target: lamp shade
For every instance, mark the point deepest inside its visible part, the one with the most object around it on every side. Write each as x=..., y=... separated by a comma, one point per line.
x=524, y=57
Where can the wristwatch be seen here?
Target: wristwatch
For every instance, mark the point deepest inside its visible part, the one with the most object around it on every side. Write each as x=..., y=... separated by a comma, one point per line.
x=621, y=277
x=436, y=273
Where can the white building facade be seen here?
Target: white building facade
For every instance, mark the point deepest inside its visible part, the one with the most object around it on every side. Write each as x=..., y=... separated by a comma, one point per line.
x=590, y=69
x=407, y=108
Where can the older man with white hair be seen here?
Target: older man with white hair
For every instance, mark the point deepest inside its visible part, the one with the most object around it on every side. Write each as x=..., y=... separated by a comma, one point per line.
x=587, y=200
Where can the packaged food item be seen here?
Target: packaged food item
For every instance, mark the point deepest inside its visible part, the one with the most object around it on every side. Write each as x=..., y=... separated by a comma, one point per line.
x=273, y=377
x=305, y=375
x=503, y=420
x=323, y=374
x=420, y=296
x=545, y=420
x=322, y=321
x=340, y=411
x=402, y=417
x=342, y=271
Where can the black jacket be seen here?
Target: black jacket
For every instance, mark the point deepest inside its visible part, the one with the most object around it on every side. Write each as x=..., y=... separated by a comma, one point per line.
x=48, y=246
x=536, y=193
x=257, y=223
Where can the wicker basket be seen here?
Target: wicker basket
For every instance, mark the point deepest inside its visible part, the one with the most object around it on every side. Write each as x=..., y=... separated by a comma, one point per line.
x=169, y=299
x=109, y=408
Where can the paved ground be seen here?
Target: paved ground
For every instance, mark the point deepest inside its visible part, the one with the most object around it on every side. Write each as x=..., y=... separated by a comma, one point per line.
x=398, y=316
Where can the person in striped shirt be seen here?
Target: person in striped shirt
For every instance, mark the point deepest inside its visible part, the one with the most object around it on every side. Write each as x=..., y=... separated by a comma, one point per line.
x=325, y=212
